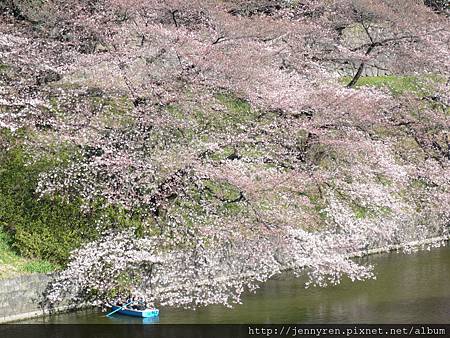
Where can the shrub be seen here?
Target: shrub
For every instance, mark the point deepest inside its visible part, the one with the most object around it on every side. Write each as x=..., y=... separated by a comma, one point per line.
x=44, y=228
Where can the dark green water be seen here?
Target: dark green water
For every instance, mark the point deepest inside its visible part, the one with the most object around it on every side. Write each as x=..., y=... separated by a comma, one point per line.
x=409, y=289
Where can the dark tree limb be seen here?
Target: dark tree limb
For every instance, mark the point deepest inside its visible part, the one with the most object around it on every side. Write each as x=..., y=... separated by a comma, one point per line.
x=369, y=50
x=174, y=17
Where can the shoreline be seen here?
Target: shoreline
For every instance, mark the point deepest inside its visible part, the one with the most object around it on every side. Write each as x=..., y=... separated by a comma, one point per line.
x=397, y=247
x=363, y=253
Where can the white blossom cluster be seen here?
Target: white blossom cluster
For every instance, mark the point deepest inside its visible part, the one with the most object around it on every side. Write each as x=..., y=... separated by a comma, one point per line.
x=220, y=126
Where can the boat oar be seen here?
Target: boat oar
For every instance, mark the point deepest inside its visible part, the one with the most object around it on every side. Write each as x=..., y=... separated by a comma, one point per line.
x=120, y=308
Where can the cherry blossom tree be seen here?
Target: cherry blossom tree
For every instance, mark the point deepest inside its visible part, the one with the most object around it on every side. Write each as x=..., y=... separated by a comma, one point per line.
x=221, y=129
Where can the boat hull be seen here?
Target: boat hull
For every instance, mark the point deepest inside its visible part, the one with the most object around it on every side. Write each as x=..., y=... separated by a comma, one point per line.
x=137, y=313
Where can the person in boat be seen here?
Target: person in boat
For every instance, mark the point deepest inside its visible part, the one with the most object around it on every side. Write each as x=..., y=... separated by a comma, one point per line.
x=141, y=306
x=135, y=305
x=119, y=302
x=129, y=301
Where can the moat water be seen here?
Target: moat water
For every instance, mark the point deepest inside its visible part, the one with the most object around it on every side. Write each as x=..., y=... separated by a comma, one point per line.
x=411, y=288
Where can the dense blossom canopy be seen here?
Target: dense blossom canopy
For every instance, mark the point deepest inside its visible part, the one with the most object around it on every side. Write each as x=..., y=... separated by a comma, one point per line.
x=229, y=131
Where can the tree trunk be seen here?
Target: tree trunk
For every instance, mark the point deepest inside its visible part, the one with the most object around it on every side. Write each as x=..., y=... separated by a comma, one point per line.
x=360, y=68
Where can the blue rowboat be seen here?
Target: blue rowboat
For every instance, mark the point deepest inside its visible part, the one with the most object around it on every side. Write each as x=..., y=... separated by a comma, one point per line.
x=147, y=313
